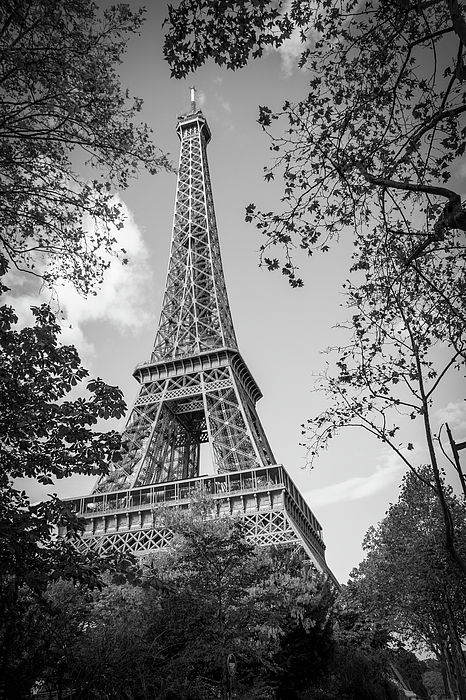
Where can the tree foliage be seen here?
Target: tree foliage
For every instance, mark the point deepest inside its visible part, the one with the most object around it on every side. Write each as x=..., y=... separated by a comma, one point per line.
x=372, y=151
x=230, y=32
x=407, y=340
x=44, y=434
x=409, y=583
x=232, y=599
x=377, y=138
x=209, y=594
x=68, y=135
x=69, y=139
x=45, y=630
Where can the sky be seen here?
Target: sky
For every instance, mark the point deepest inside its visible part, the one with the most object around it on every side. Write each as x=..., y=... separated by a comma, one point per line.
x=281, y=331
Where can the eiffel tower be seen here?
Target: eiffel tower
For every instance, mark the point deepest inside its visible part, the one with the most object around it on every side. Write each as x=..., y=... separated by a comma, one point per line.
x=195, y=389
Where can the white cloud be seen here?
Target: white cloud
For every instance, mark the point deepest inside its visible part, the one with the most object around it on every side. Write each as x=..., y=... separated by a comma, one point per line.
x=454, y=414
x=386, y=473
x=118, y=300
x=462, y=169
x=292, y=48
x=224, y=104
x=290, y=51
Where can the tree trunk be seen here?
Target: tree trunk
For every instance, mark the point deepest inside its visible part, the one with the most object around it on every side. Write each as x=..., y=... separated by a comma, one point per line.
x=454, y=450
x=450, y=544
x=457, y=655
x=447, y=674
x=225, y=693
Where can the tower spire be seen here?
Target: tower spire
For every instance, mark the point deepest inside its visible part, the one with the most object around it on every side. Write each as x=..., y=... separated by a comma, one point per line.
x=195, y=314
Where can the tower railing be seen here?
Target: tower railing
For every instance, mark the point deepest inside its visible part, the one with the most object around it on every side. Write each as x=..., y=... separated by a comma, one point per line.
x=240, y=493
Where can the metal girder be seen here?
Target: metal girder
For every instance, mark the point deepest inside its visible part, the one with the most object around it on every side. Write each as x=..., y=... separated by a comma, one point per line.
x=195, y=313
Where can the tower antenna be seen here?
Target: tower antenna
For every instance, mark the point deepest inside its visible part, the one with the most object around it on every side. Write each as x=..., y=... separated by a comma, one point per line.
x=193, y=99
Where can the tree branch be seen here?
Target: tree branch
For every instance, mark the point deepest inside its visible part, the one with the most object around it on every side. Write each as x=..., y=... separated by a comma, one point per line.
x=459, y=25
x=408, y=186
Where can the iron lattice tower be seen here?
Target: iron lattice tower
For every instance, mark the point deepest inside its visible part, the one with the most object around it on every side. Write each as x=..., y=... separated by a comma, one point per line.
x=196, y=388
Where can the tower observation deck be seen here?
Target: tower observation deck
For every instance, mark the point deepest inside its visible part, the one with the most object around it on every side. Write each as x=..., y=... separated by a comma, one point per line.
x=195, y=389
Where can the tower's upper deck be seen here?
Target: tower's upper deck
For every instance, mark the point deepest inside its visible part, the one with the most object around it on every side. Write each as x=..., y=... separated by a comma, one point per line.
x=193, y=119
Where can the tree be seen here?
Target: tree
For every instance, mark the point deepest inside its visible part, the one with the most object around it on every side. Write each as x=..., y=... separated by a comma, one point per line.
x=68, y=139
x=409, y=583
x=412, y=670
x=433, y=678
x=208, y=593
x=222, y=604
x=68, y=135
x=214, y=595
x=117, y=652
x=371, y=151
x=405, y=342
x=230, y=32
x=44, y=435
x=374, y=141
x=269, y=608
x=306, y=653
x=41, y=435
x=45, y=635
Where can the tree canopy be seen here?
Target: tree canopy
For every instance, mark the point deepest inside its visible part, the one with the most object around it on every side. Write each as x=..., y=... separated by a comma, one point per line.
x=208, y=595
x=69, y=141
x=408, y=582
x=69, y=135
x=45, y=434
x=372, y=151
x=375, y=144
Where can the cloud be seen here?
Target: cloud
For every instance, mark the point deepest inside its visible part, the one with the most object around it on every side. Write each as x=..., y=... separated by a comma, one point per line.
x=386, y=473
x=292, y=48
x=462, y=170
x=224, y=104
x=290, y=51
x=119, y=300
x=454, y=414
x=216, y=109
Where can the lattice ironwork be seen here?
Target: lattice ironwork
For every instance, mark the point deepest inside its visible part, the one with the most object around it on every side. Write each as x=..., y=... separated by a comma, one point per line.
x=196, y=389
x=195, y=313
x=269, y=528
x=264, y=528
x=139, y=542
x=264, y=498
